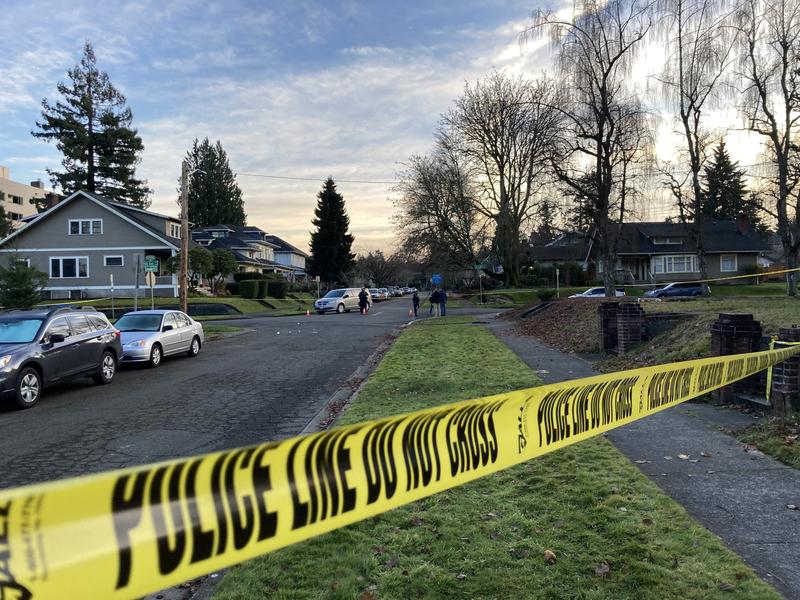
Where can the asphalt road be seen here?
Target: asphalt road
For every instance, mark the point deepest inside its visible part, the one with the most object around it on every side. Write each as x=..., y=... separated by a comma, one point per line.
x=265, y=384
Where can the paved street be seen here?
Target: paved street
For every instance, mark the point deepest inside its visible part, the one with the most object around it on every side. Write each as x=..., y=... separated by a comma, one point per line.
x=265, y=384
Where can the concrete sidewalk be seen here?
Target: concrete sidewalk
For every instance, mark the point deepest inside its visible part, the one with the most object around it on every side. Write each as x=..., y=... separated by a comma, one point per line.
x=738, y=493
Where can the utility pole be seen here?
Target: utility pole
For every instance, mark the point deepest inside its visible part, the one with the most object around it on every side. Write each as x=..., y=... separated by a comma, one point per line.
x=183, y=290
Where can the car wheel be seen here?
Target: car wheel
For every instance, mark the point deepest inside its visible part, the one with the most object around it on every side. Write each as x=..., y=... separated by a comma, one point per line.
x=108, y=368
x=194, y=349
x=29, y=388
x=340, y=309
x=156, y=354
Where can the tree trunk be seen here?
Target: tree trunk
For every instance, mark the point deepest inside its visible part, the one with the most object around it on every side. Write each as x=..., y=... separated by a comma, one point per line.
x=792, y=253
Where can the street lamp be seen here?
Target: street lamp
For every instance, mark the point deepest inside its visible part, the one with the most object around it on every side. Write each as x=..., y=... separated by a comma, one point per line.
x=183, y=290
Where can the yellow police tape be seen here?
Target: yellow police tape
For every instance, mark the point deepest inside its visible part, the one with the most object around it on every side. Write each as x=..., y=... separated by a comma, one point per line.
x=126, y=533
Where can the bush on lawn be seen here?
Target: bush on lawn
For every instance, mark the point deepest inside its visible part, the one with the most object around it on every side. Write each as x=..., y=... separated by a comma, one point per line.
x=278, y=289
x=545, y=295
x=262, y=288
x=248, y=276
x=232, y=287
x=249, y=289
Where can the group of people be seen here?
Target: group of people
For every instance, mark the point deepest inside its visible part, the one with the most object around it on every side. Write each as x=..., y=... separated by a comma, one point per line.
x=438, y=302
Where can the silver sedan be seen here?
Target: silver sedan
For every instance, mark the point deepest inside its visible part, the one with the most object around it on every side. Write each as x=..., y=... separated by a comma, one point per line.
x=150, y=335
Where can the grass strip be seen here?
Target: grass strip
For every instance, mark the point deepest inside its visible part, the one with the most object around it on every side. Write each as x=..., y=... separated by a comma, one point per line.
x=614, y=533
x=779, y=438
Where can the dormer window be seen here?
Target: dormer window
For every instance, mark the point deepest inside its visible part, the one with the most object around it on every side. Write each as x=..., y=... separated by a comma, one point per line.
x=85, y=227
x=667, y=241
x=174, y=230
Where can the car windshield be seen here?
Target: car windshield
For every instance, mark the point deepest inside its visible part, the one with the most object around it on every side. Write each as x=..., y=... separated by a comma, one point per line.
x=18, y=331
x=335, y=294
x=133, y=322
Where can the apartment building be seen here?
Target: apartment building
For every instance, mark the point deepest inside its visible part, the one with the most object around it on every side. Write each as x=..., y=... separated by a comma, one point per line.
x=16, y=197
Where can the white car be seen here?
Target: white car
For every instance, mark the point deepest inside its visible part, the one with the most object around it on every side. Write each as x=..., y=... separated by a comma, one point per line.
x=340, y=300
x=597, y=292
x=150, y=335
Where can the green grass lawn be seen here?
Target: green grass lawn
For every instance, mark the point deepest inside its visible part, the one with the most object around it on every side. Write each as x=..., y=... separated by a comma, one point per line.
x=777, y=437
x=215, y=329
x=587, y=503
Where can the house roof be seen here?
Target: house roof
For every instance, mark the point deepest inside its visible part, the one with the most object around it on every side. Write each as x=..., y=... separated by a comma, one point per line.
x=718, y=236
x=127, y=213
x=570, y=247
x=284, y=246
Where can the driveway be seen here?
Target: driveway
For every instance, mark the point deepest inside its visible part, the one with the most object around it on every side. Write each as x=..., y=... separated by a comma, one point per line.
x=265, y=384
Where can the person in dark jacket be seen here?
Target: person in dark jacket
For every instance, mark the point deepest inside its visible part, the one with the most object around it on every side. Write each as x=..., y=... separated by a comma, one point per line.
x=415, y=303
x=363, y=301
x=434, y=302
x=442, y=302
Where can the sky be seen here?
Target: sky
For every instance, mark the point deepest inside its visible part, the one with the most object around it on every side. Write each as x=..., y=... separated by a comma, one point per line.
x=298, y=89
x=302, y=89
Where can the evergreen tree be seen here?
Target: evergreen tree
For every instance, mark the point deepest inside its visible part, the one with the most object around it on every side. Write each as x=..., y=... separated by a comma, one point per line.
x=725, y=196
x=91, y=126
x=214, y=195
x=20, y=285
x=331, y=258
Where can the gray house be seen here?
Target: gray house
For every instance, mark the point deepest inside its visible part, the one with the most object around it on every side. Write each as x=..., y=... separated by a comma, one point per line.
x=86, y=241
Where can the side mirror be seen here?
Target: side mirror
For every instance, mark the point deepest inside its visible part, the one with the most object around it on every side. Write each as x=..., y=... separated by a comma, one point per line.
x=346, y=296
x=167, y=328
x=56, y=338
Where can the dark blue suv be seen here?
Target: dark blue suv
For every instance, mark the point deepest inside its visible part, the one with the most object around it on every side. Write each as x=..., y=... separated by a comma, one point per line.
x=42, y=346
x=688, y=289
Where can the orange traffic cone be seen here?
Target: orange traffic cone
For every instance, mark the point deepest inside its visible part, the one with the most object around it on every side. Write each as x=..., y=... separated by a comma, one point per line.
x=308, y=313
x=410, y=313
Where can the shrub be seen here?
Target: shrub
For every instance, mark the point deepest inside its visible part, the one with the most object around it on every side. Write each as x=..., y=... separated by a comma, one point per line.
x=232, y=287
x=245, y=276
x=278, y=289
x=262, y=288
x=248, y=289
x=545, y=295
x=752, y=269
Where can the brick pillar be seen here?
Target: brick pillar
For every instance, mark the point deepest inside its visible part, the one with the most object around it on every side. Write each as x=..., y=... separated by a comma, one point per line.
x=735, y=333
x=631, y=324
x=786, y=377
x=607, y=317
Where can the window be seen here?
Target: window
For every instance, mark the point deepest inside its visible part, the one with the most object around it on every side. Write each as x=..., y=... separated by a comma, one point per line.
x=16, y=199
x=79, y=324
x=170, y=319
x=59, y=326
x=69, y=266
x=183, y=320
x=667, y=240
x=14, y=216
x=98, y=322
x=676, y=263
x=113, y=261
x=174, y=230
x=85, y=227
x=25, y=261
x=728, y=263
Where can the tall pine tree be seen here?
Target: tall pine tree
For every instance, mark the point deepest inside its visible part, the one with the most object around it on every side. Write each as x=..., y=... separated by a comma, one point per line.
x=91, y=125
x=331, y=258
x=214, y=195
x=725, y=196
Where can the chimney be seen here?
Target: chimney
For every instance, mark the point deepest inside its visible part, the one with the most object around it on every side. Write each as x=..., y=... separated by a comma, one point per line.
x=37, y=184
x=52, y=199
x=4, y=173
x=742, y=224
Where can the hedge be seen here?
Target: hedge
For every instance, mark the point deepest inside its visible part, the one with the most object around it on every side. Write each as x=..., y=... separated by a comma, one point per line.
x=249, y=289
x=278, y=289
x=232, y=287
x=262, y=288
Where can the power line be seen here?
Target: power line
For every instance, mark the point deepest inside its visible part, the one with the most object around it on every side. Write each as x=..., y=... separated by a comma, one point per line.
x=317, y=179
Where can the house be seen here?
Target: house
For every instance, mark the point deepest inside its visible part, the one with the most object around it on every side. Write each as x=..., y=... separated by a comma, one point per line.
x=86, y=240
x=15, y=197
x=664, y=252
x=571, y=247
x=254, y=249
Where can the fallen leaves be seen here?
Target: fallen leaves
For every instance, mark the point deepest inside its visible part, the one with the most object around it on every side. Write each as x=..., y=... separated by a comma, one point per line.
x=549, y=557
x=602, y=569
x=683, y=456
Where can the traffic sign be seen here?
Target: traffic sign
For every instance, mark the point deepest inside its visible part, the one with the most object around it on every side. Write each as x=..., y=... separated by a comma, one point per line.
x=150, y=264
x=150, y=279
x=437, y=279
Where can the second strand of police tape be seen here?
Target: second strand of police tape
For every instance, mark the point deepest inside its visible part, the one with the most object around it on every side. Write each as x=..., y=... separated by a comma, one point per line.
x=130, y=532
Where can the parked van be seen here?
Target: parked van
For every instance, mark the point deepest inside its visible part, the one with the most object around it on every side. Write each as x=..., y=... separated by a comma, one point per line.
x=340, y=300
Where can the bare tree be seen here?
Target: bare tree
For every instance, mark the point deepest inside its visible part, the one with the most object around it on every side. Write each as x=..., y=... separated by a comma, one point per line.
x=769, y=36
x=694, y=34
x=604, y=127
x=505, y=127
x=437, y=214
x=375, y=268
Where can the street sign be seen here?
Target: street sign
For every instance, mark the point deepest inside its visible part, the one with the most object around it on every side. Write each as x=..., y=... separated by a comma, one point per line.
x=437, y=279
x=150, y=264
x=150, y=279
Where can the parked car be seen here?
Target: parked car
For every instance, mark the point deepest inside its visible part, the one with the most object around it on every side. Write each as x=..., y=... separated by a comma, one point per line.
x=375, y=295
x=678, y=290
x=597, y=292
x=385, y=294
x=395, y=291
x=39, y=347
x=150, y=335
x=339, y=300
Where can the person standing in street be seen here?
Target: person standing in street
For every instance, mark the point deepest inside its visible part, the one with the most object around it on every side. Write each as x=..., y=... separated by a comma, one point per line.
x=363, y=301
x=434, y=299
x=415, y=303
x=442, y=302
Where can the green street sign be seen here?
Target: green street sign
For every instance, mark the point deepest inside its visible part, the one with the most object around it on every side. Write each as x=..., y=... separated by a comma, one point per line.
x=150, y=264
